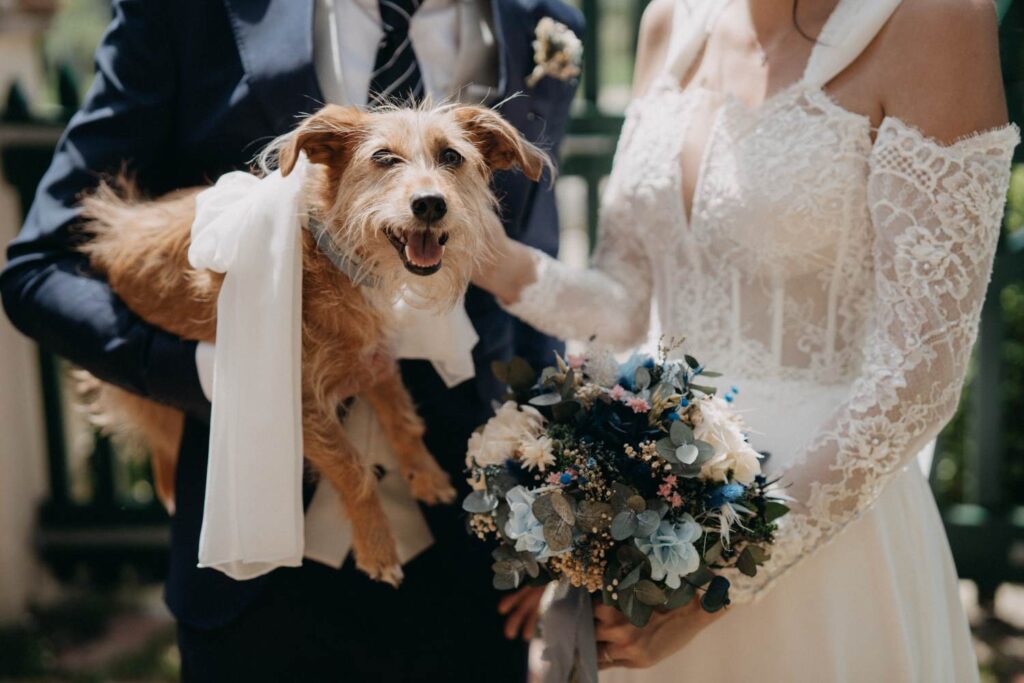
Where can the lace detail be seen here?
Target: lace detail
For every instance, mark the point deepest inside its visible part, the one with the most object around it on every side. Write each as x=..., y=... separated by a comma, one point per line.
x=813, y=258
x=936, y=213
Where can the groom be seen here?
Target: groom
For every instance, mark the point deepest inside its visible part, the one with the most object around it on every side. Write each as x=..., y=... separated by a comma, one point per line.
x=190, y=89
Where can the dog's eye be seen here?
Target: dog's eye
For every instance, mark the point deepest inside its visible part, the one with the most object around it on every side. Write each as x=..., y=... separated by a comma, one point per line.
x=449, y=157
x=384, y=157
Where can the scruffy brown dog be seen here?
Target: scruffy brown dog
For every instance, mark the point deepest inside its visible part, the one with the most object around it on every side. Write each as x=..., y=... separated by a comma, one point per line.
x=404, y=192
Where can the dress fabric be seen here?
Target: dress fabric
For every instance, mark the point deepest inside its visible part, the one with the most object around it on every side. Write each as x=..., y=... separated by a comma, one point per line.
x=837, y=281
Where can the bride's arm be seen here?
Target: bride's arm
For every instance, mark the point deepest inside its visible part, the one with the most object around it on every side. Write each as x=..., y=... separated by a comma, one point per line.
x=610, y=300
x=936, y=192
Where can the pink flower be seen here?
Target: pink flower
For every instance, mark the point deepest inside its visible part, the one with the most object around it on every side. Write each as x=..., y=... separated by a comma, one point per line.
x=665, y=491
x=553, y=478
x=575, y=361
x=638, y=405
x=677, y=500
x=671, y=480
x=617, y=392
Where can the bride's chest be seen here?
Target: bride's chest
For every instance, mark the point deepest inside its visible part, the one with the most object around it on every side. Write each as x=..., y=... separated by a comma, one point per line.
x=775, y=187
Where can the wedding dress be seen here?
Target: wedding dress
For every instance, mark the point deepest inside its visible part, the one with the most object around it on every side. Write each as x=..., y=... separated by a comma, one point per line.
x=837, y=281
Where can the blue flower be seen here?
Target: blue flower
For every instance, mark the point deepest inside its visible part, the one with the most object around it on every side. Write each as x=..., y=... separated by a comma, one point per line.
x=671, y=551
x=673, y=416
x=565, y=479
x=726, y=493
x=523, y=526
x=627, y=370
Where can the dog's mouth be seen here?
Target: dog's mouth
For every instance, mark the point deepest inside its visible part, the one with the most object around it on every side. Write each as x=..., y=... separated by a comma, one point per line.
x=421, y=251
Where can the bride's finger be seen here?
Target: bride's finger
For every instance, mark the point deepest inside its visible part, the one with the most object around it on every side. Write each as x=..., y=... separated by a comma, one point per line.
x=608, y=615
x=507, y=603
x=618, y=634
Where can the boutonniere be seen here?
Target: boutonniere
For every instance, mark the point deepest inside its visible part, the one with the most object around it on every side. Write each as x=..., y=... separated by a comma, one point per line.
x=557, y=52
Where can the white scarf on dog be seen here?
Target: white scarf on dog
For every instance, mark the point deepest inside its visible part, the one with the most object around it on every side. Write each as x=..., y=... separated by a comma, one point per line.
x=249, y=228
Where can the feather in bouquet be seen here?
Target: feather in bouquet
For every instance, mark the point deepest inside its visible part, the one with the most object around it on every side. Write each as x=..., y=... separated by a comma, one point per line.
x=634, y=480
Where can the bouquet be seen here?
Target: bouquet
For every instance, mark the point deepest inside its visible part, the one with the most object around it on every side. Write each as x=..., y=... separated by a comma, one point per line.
x=631, y=480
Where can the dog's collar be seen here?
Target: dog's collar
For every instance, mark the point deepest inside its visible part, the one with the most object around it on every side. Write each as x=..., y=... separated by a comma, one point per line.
x=346, y=263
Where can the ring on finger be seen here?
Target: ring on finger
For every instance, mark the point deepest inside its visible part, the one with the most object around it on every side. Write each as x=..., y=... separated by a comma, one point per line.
x=606, y=656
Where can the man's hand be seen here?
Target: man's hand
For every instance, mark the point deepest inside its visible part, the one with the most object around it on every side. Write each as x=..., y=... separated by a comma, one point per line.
x=619, y=643
x=522, y=610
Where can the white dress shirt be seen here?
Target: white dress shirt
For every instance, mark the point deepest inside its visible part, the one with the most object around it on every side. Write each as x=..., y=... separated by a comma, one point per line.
x=452, y=39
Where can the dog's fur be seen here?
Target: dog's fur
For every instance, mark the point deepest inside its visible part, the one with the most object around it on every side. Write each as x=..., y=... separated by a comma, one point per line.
x=364, y=170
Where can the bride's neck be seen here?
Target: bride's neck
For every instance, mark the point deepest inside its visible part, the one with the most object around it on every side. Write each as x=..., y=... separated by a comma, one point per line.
x=771, y=17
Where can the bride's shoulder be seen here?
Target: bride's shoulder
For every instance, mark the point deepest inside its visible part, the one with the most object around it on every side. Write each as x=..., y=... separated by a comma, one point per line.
x=652, y=42
x=937, y=52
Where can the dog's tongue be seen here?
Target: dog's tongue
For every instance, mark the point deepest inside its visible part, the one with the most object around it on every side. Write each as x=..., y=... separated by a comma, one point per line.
x=424, y=250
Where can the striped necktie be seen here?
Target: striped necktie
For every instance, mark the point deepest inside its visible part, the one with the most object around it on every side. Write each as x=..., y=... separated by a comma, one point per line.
x=396, y=74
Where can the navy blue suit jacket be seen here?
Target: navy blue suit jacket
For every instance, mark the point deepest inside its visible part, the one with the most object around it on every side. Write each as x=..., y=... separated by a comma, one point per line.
x=186, y=90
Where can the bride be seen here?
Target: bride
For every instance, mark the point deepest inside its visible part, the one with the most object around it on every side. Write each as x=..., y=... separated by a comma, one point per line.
x=811, y=194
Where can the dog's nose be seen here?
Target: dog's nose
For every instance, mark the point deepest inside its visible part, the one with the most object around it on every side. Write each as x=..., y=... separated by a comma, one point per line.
x=429, y=206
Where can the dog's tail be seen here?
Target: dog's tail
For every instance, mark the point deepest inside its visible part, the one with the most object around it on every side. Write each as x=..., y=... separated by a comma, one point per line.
x=136, y=424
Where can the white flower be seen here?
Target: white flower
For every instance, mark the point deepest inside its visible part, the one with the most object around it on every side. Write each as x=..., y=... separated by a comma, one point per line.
x=501, y=436
x=537, y=452
x=719, y=426
x=671, y=551
x=557, y=52
x=602, y=368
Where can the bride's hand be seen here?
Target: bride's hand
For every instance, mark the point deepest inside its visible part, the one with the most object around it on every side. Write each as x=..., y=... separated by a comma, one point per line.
x=508, y=271
x=521, y=610
x=619, y=643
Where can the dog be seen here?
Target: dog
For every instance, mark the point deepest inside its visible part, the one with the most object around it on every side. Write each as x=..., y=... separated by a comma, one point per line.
x=406, y=193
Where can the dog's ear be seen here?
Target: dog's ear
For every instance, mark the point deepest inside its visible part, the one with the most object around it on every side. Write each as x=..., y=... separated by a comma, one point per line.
x=325, y=137
x=500, y=143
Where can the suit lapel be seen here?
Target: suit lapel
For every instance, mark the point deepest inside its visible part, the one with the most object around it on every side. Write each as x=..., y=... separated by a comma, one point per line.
x=275, y=42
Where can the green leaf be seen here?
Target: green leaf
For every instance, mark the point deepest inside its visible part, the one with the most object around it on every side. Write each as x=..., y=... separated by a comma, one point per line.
x=505, y=582
x=637, y=612
x=558, y=534
x=691, y=361
x=628, y=555
x=710, y=373
x=624, y=525
x=647, y=523
x=631, y=579
x=705, y=452
x=680, y=433
x=564, y=411
x=758, y=553
x=563, y=508
x=543, y=508
x=717, y=595
x=714, y=553
x=680, y=596
x=520, y=375
x=636, y=503
x=500, y=370
x=687, y=454
x=700, y=577
x=480, y=502
x=542, y=400
x=592, y=515
x=642, y=379
x=704, y=389
x=649, y=593
x=547, y=373
x=773, y=510
x=569, y=385
x=746, y=564
x=667, y=450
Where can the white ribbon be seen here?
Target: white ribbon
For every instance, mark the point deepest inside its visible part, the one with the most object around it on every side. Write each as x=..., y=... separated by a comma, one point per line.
x=250, y=229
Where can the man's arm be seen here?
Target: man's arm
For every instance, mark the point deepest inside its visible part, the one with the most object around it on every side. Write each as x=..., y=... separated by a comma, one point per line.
x=48, y=293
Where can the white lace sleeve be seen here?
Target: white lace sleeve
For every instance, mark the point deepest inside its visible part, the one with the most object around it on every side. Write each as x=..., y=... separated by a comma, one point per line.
x=937, y=213
x=611, y=300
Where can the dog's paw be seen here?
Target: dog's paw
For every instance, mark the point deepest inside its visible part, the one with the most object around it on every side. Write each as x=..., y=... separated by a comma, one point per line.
x=430, y=484
x=386, y=573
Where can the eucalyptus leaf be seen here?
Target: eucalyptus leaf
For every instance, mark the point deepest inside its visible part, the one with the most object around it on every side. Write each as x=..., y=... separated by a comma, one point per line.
x=687, y=454
x=705, y=452
x=680, y=433
x=704, y=389
x=564, y=411
x=714, y=553
x=647, y=523
x=557, y=534
x=642, y=379
x=710, y=373
x=659, y=506
x=500, y=370
x=637, y=612
x=563, y=508
x=628, y=555
x=505, y=582
x=543, y=507
x=547, y=373
x=592, y=514
x=520, y=375
x=680, y=596
x=542, y=400
x=691, y=361
x=649, y=593
x=569, y=385
x=667, y=450
x=636, y=503
x=624, y=525
x=773, y=509
x=700, y=577
x=759, y=555
x=746, y=564
x=480, y=502
x=631, y=579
